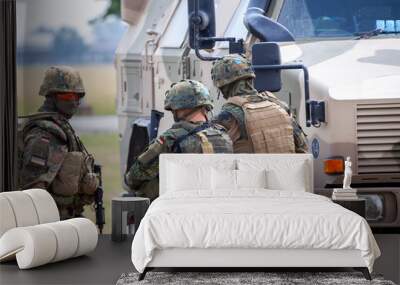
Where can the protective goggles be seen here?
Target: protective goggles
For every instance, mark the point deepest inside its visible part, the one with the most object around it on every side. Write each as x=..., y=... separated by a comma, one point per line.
x=68, y=96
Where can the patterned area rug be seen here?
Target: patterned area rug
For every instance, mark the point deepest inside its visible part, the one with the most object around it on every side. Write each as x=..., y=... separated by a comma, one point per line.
x=243, y=278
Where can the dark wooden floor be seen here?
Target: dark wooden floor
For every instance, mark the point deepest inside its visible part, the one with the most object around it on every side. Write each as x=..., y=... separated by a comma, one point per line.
x=106, y=264
x=103, y=266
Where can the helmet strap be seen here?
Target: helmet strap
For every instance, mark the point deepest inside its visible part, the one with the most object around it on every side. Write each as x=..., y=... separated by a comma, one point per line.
x=176, y=119
x=49, y=105
x=225, y=90
x=209, y=115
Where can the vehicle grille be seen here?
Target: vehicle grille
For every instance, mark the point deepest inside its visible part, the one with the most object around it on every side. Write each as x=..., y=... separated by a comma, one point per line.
x=378, y=138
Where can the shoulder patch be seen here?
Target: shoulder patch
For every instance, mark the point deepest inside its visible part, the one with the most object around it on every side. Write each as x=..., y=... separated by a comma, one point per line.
x=161, y=140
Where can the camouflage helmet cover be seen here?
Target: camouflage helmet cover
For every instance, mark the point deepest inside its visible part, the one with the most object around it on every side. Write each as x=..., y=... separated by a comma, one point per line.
x=187, y=94
x=61, y=79
x=231, y=68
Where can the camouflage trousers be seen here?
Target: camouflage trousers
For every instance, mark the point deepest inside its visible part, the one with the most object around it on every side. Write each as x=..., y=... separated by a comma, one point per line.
x=72, y=206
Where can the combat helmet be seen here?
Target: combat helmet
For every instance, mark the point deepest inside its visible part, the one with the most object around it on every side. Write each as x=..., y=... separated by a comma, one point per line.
x=231, y=68
x=187, y=94
x=61, y=79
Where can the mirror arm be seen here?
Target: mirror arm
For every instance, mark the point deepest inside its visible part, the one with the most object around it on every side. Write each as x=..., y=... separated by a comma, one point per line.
x=231, y=41
x=197, y=21
x=217, y=39
x=306, y=85
x=205, y=58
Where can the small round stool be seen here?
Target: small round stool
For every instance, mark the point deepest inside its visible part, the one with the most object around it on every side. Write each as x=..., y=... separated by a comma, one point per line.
x=121, y=206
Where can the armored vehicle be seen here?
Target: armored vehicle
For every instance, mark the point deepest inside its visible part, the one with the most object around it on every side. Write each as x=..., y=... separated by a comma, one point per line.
x=346, y=98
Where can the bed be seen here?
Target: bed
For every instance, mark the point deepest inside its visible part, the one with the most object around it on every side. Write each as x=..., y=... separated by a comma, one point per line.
x=247, y=210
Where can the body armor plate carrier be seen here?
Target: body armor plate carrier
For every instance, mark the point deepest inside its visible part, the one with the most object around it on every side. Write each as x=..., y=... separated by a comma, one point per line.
x=269, y=126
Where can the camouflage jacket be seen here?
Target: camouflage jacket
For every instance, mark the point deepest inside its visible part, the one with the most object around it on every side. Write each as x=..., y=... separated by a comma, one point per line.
x=52, y=157
x=182, y=137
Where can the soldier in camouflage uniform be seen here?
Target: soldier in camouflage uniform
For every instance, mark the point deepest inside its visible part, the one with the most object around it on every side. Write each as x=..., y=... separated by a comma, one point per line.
x=189, y=101
x=256, y=122
x=51, y=155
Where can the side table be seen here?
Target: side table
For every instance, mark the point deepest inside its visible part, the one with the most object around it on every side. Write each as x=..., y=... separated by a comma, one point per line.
x=121, y=206
x=357, y=205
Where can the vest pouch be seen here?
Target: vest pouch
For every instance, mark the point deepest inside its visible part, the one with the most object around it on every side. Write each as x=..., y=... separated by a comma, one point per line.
x=259, y=143
x=89, y=184
x=279, y=139
x=66, y=183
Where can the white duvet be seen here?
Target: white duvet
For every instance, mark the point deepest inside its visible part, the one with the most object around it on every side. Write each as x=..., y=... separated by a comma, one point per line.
x=250, y=219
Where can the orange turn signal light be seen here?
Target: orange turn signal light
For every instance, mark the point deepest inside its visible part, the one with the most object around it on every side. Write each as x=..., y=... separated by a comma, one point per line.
x=334, y=166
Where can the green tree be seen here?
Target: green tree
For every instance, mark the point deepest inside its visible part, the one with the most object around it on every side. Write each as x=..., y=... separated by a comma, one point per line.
x=113, y=9
x=68, y=42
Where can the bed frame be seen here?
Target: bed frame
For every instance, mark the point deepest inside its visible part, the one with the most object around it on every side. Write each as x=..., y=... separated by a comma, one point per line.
x=240, y=259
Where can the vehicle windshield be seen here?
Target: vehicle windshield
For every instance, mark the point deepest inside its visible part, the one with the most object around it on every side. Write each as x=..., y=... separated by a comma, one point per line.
x=339, y=18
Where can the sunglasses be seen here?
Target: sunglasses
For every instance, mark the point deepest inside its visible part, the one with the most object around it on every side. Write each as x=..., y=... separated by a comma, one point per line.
x=68, y=97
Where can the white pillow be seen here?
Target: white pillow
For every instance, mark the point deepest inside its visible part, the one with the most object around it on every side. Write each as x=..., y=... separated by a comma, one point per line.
x=282, y=173
x=231, y=180
x=182, y=177
x=223, y=179
x=251, y=178
x=294, y=178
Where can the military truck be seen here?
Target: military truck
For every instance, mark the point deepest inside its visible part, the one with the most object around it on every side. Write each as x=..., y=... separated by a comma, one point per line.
x=349, y=49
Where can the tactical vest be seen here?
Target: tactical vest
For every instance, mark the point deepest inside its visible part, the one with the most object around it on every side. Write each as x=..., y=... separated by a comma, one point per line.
x=70, y=162
x=300, y=138
x=269, y=127
x=204, y=138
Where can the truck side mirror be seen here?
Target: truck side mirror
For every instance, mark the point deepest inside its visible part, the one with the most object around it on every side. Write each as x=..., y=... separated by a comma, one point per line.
x=267, y=65
x=263, y=27
x=201, y=23
x=267, y=54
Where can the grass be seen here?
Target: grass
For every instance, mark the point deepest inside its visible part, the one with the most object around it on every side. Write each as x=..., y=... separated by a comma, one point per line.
x=105, y=148
x=99, y=82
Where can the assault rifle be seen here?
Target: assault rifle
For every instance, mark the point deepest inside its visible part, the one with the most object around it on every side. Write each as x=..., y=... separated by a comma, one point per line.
x=98, y=199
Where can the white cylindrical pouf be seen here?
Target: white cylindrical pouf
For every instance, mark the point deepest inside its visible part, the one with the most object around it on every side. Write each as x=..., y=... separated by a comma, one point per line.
x=23, y=208
x=87, y=234
x=67, y=239
x=40, y=244
x=7, y=217
x=34, y=246
x=45, y=205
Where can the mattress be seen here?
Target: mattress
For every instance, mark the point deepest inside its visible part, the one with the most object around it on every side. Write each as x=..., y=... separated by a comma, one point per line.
x=250, y=219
